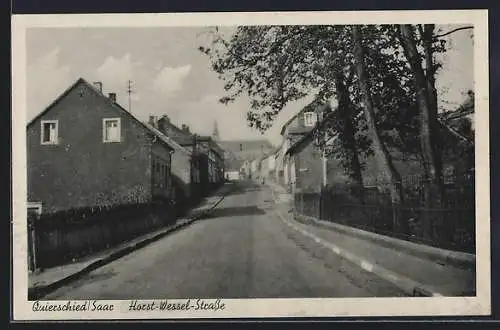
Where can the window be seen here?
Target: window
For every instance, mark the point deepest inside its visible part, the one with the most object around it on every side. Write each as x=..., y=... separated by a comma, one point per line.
x=111, y=130
x=309, y=118
x=49, y=132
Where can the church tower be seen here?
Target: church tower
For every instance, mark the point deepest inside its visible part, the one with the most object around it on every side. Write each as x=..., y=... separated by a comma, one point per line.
x=215, y=134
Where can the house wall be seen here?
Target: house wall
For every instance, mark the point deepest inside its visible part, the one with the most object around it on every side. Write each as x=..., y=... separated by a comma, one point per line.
x=81, y=170
x=309, y=169
x=161, y=179
x=271, y=163
x=181, y=173
x=232, y=175
x=264, y=168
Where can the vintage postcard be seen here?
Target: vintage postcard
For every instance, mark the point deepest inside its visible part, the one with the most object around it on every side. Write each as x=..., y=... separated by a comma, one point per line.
x=250, y=165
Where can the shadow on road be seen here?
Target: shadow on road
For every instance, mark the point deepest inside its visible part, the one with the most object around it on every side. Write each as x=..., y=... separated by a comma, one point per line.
x=240, y=187
x=234, y=212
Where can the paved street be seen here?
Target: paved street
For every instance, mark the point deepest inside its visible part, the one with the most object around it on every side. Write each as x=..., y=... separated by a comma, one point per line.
x=243, y=250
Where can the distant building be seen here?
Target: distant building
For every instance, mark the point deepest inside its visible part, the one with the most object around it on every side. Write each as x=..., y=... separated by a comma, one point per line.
x=215, y=133
x=206, y=154
x=85, y=150
x=232, y=175
x=182, y=168
x=238, y=154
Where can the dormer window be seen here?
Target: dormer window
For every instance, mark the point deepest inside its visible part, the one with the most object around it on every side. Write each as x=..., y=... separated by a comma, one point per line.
x=310, y=118
x=49, y=131
x=111, y=130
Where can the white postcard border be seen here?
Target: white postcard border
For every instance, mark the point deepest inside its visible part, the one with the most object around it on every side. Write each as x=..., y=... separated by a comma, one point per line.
x=249, y=308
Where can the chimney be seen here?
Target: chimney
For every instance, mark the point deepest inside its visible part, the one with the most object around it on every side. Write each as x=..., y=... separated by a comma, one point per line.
x=112, y=97
x=163, y=124
x=151, y=120
x=185, y=128
x=98, y=86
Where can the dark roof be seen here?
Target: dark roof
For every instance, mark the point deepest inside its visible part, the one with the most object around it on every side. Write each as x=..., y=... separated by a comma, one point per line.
x=110, y=103
x=167, y=139
x=309, y=136
x=234, y=145
x=302, y=141
x=182, y=137
x=300, y=130
x=315, y=105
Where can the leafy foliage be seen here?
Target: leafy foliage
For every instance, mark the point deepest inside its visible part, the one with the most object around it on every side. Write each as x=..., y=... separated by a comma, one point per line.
x=276, y=65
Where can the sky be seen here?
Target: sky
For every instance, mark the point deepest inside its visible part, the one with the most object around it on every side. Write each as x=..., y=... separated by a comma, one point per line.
x=170, y=76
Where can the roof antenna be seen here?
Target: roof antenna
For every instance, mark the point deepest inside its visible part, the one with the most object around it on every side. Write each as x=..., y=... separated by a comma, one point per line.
x=129, y=92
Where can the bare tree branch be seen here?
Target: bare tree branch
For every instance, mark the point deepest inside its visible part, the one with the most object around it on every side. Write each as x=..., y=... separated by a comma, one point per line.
x=452, y=31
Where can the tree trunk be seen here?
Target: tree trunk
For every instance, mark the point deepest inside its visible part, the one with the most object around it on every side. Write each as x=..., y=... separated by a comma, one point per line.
x=429, y=126
x=347, y=131
x=382, y=155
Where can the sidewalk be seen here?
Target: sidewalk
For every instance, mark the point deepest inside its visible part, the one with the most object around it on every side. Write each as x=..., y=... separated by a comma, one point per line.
x=41, y=283
x=413, y=274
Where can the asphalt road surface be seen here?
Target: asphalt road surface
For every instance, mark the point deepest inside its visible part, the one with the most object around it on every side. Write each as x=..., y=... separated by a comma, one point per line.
x=243, y=250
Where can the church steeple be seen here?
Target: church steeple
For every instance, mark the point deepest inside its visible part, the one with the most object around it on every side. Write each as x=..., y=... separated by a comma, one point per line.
x=215, y=133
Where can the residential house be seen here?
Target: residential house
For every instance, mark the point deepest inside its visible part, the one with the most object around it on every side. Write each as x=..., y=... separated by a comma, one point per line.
x=245, y=169
x=232, y=166
x=254, y=169
x=271, y=164
x=207, y=169
x=240, y=153
x=181, y=168
x=280, y=162
x=213, y=157
x=313, y=169
x=292, y=131
x=85, y=150
x=263, y=168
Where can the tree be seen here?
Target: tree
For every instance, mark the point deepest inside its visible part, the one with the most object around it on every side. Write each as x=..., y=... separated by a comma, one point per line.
x=381, y=153
x=423, y=68
x=275, y=65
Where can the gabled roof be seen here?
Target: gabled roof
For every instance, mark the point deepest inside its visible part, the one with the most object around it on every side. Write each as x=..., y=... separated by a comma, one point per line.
x=313, y=106
x=168, y=140
x=289, y=121
x=309, y=136
x=59, y=98
x=183, y=137
x=109, y=102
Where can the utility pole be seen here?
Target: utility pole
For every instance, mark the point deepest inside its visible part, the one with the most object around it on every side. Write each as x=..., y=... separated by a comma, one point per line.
x=129, y=92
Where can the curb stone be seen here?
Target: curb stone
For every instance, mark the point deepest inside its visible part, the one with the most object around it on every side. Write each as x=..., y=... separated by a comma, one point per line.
x=408, y=285
x=38, y=292
x=458, y=259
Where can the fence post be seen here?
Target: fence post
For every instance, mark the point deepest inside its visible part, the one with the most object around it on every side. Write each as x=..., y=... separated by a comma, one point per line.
x=320, y=213
x=32, y=262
